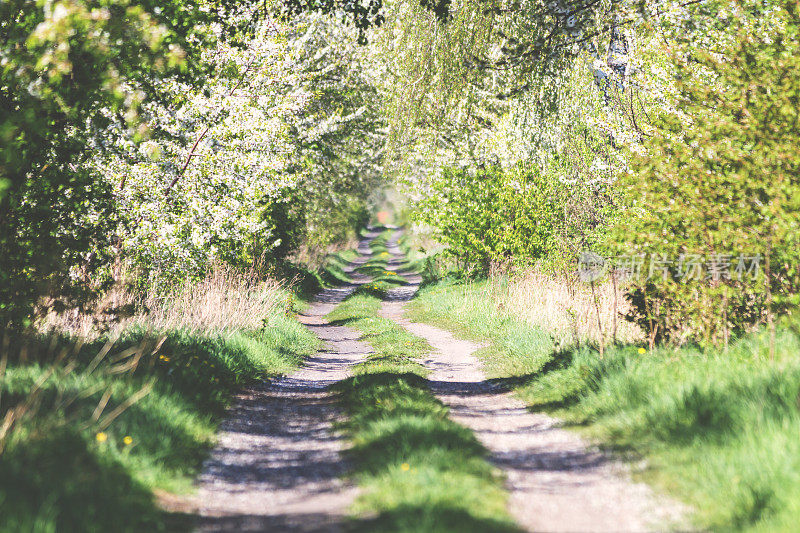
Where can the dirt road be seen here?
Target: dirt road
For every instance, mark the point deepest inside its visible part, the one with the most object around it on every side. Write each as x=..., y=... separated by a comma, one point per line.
x=278, y=465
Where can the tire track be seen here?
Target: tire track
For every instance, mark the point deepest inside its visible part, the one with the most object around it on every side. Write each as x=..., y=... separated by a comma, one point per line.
x=556, y=481
x=278, y=464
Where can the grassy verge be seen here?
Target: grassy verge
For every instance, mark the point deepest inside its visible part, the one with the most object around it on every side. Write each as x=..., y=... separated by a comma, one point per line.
x=419, y=470
x=718, y=429
x=83, y=456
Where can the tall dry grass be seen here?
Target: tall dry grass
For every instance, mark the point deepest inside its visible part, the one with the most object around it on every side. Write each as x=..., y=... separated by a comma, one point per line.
x=226, y=299
x=565, y=307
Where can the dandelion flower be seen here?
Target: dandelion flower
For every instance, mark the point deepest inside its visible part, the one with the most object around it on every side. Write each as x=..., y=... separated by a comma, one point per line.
x=128, y=440
x=101, y=437
x=405, y=467
x=642, y=350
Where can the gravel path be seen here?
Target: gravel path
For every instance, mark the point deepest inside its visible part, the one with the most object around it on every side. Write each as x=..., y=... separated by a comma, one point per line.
x=556, y=481
x=277, y=465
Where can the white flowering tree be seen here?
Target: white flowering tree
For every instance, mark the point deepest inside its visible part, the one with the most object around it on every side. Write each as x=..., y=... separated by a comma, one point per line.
x=290, y=120
x=158, y=138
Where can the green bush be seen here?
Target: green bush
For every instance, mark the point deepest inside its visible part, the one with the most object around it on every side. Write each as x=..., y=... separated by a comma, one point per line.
x=722, y=176
x=70, y=75
x=492, y=215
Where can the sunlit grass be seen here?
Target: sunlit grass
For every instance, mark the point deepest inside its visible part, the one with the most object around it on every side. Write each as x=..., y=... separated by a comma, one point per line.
x=64, y=469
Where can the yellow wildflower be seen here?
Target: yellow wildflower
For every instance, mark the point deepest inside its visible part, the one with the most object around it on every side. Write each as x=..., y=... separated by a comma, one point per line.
x=101, y=437
x=642, y=350
x=128, y=440
x=405, y=467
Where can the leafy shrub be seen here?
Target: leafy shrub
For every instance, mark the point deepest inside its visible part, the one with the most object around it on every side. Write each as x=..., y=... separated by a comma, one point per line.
x=492, y=215
x=722, y=176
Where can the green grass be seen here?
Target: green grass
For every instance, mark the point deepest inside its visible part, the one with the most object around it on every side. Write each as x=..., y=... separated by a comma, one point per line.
x=719, y=429
x=419, y=470
x=55, y=475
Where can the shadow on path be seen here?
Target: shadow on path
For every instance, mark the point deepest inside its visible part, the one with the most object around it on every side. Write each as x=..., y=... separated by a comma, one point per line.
x=278, y=464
